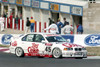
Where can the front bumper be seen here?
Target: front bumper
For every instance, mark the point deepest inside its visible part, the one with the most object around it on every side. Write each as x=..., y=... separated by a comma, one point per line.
x=74, y=54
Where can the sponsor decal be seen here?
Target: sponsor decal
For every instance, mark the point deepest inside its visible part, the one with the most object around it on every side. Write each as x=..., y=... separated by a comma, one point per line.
x=33, y=50
x=71, y=45
x=14, y=43
x=69, y=38
x=6, y=39
x=92, y=40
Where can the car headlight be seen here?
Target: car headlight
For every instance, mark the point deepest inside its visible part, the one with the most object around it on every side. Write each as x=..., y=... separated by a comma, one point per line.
x=65, y=48
x=68, y=48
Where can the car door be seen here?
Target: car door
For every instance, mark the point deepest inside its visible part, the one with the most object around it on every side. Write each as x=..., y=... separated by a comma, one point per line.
x=27, y=43
x=41, y=45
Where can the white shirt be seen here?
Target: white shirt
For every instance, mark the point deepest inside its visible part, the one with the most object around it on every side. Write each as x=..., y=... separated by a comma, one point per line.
x=53, y=29
x=2, y=23
x=67, y=29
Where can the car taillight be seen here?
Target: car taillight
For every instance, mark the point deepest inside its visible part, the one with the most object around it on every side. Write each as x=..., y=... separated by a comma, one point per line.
x=48, y=44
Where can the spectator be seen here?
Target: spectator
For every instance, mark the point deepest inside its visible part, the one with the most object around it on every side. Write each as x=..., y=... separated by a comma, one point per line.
x=50, y=21
x=11, y=18
x=68, y=29
x=80, y=29
x=53, y=28
x=5, y=15
x=16, y=21
x=32, y=21
x=59, y=25
x=2, y=23
x=27, y=25
x=65, y=22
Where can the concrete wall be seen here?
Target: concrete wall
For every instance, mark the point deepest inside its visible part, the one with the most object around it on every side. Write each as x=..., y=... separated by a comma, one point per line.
x=91, y=20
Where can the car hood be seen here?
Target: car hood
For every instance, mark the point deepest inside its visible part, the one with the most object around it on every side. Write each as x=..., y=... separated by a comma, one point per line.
x=70, y=45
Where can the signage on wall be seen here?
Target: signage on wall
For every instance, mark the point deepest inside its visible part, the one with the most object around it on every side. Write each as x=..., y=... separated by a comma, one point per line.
x=6, y=39
x=44, y=5
x=4, y=0
x=76, y=10
x=54, y=7
x=11, y=1
x=27, y=2
x=18, y=1
x=65, y=8
x=92, y=40
x=35, y=4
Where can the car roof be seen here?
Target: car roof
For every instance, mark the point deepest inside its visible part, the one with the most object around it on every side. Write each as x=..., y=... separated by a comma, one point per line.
x=46, y=34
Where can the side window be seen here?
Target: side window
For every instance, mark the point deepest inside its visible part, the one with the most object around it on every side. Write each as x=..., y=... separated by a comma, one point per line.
x=38, y=38
x=24, y=38
x=28, y=38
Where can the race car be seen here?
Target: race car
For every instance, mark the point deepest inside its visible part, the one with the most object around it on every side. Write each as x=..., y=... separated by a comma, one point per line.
x=45, y=45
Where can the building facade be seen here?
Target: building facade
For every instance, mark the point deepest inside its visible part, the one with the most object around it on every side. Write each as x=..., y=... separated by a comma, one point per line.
x=75, y=11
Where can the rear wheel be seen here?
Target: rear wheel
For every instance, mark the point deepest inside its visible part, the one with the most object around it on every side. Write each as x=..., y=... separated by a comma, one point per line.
x=57, y=53
x=19, y=52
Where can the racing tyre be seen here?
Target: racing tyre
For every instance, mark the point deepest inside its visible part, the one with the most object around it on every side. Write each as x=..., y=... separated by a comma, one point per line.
x=57, y=53
x=19, y=52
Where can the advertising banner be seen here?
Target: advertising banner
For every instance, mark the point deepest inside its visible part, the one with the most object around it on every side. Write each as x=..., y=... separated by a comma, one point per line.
x=11, y=1
x=54, y=7
x=18, y=1
x=76, y=10
x=5, y=1
x=27, y=2
x=35, y=4
x=86, y=40
x=5, y=39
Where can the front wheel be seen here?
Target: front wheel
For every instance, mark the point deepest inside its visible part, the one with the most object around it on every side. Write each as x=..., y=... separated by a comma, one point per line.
x=19, y=52
x=57, y=53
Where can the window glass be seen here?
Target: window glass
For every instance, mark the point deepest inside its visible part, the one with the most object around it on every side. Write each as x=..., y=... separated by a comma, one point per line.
x=55, y=39
x=39, y=38
x=28, y=38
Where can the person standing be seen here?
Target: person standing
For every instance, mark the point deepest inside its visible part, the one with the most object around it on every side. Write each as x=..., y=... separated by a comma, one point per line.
x=67, y=29
x=32, y=21
x=27, y=25
x=59, y=25
x=11, y=19
x=50, y=21
x=2, y=23
x=80, y=29
x=65, y=22
x=53, y=28
x=16, y=21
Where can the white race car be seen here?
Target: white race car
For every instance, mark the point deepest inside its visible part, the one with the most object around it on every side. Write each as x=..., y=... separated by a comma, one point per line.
x=46, y=45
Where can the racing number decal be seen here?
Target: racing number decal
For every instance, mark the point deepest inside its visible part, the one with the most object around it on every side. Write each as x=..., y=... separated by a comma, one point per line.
x=48, y=49
x=33, y=50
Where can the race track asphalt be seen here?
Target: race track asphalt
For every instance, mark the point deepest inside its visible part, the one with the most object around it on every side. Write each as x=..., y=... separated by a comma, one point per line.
x=10, y=60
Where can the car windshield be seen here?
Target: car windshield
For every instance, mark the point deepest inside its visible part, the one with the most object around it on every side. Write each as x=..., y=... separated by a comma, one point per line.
x=55, y=39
